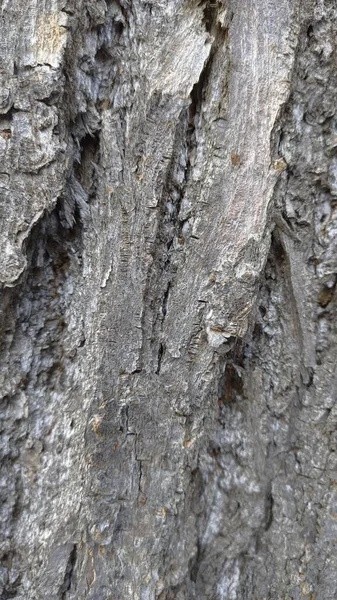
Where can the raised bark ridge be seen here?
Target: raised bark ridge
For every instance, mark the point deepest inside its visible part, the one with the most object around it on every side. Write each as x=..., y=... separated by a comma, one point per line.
x=168, y=187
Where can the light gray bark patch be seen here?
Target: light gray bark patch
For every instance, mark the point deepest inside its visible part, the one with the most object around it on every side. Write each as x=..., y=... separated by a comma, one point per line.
x=274, y=490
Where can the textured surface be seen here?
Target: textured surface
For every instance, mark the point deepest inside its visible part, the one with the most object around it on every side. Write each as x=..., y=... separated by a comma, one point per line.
x=168, y=266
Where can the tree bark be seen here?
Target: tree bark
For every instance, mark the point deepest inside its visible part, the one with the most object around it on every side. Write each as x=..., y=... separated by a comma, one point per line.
x=168, y=185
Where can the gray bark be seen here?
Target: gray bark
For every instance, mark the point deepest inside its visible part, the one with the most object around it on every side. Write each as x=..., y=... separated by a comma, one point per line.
x=168, y=183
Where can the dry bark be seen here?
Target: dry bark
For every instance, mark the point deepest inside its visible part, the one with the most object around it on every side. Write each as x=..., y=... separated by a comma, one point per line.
x=168, y=260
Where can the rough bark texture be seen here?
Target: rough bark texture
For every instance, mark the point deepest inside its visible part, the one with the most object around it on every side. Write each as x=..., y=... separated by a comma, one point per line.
x=168, y=185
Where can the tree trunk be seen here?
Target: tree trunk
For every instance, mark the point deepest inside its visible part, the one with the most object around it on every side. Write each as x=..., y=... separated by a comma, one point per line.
x=168, y=260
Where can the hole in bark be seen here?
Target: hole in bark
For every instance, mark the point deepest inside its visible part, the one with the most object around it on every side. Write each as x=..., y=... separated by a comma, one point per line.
x=257, y=332
x=310, y=31
x=118, y=28
x=103, y=55
x=277, y=254
x=263, y=311
x=84, y=170
x=230, y=385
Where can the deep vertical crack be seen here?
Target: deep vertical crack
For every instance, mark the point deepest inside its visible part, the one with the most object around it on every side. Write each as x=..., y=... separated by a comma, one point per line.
x=68, y=575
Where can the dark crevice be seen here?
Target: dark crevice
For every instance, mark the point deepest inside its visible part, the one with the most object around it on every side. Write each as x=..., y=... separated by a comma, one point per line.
x=199, y=89
x=69, y=574
x=161, y=351
x=230, y=385
x=165, y=299
x=161, y=272
x=103, y=55
x=269, y=503
x=9, y=589
x=277, y=251
x=210, y=14
x=140, y=477
x=198, y=98
x=161, y=348
x=85, y=168
x=307, y=376
x=8, y=116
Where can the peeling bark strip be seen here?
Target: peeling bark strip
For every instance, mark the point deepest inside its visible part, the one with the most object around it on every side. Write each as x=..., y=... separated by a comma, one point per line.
x=168, y=316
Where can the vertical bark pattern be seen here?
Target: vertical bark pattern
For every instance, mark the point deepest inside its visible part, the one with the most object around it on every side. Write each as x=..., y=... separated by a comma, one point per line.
x=168, y=268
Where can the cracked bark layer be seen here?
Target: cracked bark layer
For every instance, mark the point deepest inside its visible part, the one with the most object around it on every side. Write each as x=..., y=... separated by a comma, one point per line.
x=168, y=267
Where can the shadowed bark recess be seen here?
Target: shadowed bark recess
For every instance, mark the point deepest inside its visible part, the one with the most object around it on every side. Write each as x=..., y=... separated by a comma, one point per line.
x=168, y=188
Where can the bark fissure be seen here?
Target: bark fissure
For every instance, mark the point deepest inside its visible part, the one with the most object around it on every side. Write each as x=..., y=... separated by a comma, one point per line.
x=67, y=584
x=174, y=227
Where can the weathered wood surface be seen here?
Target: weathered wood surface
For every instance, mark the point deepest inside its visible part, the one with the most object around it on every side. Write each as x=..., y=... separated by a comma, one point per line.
x=168, y=263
